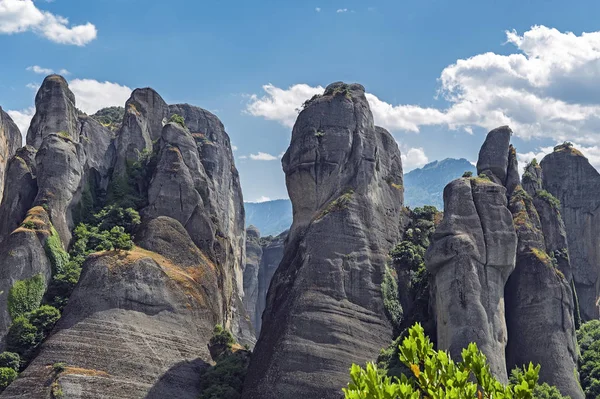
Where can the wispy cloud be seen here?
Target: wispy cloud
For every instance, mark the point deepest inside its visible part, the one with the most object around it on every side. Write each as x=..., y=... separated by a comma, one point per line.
x=341, y=10
x=318, y=9
x=263, y=156
x=40, y=70
x=17, y=16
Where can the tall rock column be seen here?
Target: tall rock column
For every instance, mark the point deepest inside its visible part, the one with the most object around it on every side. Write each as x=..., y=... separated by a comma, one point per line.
x=569, y=176
x=10, y=141
x=324, y=307
x=471, y=255
x=539, y=299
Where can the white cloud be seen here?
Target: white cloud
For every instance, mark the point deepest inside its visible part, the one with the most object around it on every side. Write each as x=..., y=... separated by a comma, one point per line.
x=39, y=70
x=22, y=119
x=413, y=158
x=17, y=16
x=341, y=10
x=318, y=9
x=263, y=156
x=64, y=72
x=243, y=157
x=546, y=88
x=32, y=86
x=263, y=199
x=92, y=95
x=592, y=153
x=234, y=148
x=280, y=104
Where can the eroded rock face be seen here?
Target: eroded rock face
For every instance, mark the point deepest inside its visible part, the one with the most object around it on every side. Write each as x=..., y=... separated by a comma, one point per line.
x=568, y=175
x=10, y=141
x=20, y=177
x=136, y=325
x=23, y=256
x=55, y=112
x=272, y=254
x=471, y=255
x=254, y=253
x=325, y=308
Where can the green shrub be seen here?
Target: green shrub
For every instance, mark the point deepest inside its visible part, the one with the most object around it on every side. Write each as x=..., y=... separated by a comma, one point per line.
x=435, y=375
x=225, y=379
x=11, y=360
x=7, y=376
x=540, y=391
x=29, y=225
x=44, y=318
x=391, y=303
x=26, y=295
x=588, y=337
x=549, y=198
x=54, y=250
x=112, y=216
x=222, y=337
x=59, y=367
x=180, y=120
x=22, y=336
x=468, y=174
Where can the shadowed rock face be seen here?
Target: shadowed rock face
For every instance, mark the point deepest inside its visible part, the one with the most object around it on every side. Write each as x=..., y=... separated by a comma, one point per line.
x=471, y=255
x=55, y=112
x=254, y=254
x=10, y=141
x=324, y=308
x=20, y=177
x=568, y=175
x=136, y=325
x=272, y=254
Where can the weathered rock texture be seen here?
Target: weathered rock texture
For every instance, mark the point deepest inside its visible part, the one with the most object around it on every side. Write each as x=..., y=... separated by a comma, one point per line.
x=568, y=175
x=494, y=281
x=471, y=255
x=272, y=254
x=254, y=254
x=10, y=141
x=325, y=308
x=136, y=325
x=539, y=299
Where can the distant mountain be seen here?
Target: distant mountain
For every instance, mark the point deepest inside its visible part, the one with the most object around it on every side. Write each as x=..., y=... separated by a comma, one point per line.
x=270, y=217
x=425, y=186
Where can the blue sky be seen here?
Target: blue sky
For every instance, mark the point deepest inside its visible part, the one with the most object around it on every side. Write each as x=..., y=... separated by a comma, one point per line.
x=220, y=54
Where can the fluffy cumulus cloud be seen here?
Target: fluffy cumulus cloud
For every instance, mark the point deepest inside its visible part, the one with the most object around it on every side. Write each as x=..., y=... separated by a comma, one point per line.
x=92, y=95
x=546, y=88
x=22, y=119
x=413, y=158
x=17, y=16
x=263, y=156
x=591, y=152
x=40, y=70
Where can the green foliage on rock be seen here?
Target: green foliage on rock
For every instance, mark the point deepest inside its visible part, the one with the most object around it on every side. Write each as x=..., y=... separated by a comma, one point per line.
x=22, y=336
x=222, y=337
x=389, y=290
x=338, y=204
x=549, y=198
x=54, y=250
x=110, y=117
x=111, y=216
x=180, y=120
x=11, y=360
x=26, y=295
x=7, y=376
x=434, y=375
x=225, y=379
x=467, y=174
x=588, y=337
x=44, y=318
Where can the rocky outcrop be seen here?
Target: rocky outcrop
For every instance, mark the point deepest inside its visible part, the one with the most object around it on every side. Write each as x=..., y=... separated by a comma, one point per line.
x=568, y=175
x=254, y=254
x=539, y=300
x=272, y=254
x=497, y=269
x=55, y=112
x=20, y=177
x=136, y=325
x=10, y=141
x=471, y=255
x=324, y=307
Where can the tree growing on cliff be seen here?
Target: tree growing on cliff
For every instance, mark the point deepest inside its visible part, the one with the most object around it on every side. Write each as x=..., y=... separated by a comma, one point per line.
x=435, y=375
